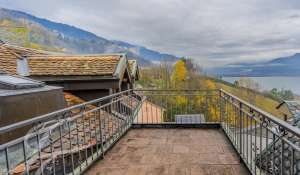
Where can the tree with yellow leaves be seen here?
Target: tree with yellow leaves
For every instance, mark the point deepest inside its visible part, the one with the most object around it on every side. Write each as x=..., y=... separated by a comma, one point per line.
x=179, y=74
x=211, y=102
x=210, y=85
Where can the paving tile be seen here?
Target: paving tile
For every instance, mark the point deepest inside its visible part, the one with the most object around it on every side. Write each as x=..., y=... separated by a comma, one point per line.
x=181, y=149
x=159, y=169
x=132, y=170
x=179, y=158
x=197, y=169
x=205, y=158
x=228, y=159
x=179, y=169
x=171, y=152
x=163, y=148
x=107, y=171
x=147, y=170
x=206, y=149
x=155, y=159
x=155, y=141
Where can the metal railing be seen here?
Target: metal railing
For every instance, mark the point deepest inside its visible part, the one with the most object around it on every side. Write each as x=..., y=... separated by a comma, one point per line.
x=266, y=144
x=70, y=140
x=178, y=107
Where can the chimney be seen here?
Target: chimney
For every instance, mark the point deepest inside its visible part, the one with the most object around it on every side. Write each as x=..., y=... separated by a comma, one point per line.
x=22, y=66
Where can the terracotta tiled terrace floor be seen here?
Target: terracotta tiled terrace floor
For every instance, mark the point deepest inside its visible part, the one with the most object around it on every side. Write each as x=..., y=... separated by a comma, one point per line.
x=170, y=152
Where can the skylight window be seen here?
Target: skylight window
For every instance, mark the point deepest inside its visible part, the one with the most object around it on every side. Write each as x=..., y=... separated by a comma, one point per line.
x=14, y=82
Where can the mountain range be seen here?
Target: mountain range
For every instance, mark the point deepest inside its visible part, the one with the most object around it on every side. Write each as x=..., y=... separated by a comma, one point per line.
x=26, y=30
x=284, y=66
x=23, y=29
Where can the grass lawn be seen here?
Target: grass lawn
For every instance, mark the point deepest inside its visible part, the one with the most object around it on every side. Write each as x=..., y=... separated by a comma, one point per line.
x=264, y=103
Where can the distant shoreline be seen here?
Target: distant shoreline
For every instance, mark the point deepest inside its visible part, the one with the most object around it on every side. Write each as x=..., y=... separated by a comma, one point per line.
x=298, y=76
x=270, y=82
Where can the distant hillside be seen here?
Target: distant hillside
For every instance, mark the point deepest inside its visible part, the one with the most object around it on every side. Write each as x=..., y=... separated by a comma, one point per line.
x=285, y=66
x=146, y=53
x=26, y=30
x=291, y=60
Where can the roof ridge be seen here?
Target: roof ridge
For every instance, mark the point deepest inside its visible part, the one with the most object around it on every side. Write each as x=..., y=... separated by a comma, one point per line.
x=12, y=52
x=74, y=65
x=78, y=55
x=28, y=48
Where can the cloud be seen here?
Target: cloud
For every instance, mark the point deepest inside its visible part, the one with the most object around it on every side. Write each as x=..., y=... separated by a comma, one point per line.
x=212, y=32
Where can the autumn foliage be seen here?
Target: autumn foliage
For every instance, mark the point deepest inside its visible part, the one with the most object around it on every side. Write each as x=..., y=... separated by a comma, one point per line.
x=183, y=75
x=179, y=74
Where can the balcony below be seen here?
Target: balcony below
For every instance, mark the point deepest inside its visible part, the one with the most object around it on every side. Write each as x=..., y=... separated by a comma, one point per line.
x=171, y=151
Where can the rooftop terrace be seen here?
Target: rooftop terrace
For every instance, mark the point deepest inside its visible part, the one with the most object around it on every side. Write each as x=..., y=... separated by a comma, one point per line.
x=171, y=152
x=155, y=132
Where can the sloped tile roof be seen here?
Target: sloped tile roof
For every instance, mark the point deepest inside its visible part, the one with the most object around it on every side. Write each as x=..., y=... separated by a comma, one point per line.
x=294, y=108
x=24, y=52
x=263, y=159
x=9, y=55
x=72, y=100
x=53, y=64
x=73, y=64
x=8, y=60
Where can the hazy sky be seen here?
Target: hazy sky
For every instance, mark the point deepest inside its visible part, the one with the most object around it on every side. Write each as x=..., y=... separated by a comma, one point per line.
x=213, y=32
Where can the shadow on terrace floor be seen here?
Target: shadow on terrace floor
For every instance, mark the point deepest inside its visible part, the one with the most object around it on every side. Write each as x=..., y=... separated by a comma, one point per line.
x=171, y=152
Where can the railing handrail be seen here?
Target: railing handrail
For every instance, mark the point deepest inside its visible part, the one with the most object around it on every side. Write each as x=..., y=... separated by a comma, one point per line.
x=271, y=117
x=95, y=129
x=44, y=117
x=50, y=115
x=155, y=90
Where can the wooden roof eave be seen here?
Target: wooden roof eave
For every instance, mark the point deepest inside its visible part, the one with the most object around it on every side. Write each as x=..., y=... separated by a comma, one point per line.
x=73, y=77
x=122, y=68
x=134, y=72
x=137, y=74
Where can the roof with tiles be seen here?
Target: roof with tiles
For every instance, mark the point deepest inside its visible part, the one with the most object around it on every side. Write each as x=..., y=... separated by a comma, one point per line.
x=276, y=145
x=24, y=52
x=9, y=54
x=42, y=63
x=72, y=100
x=8, y=60
x=293, y=107
x=73, y=65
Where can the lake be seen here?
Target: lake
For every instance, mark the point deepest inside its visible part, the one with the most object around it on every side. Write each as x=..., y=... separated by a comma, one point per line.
x=267, y=83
